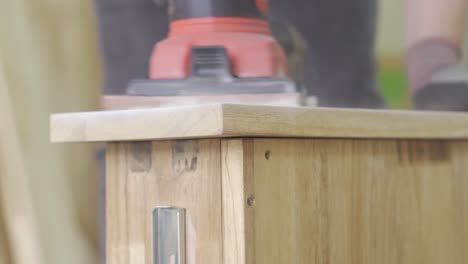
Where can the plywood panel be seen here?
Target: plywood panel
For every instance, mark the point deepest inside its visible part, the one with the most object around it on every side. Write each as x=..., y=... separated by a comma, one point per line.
x=142, y=176
x=360, y=201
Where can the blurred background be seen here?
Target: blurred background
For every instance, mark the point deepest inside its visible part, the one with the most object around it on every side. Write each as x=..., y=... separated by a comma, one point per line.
x=50, y=62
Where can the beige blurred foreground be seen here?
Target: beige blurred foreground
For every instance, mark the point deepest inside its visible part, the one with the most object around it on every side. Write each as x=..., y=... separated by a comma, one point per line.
x=48, y=193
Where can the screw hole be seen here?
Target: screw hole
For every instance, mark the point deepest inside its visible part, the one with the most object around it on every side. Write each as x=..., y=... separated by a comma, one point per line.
x=251, y=201
x=267, y=155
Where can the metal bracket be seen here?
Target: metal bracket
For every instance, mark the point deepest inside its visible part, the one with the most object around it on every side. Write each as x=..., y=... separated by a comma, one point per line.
x=168, y=235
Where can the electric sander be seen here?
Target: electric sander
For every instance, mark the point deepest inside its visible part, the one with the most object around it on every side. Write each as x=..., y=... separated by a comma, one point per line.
x=217, y=51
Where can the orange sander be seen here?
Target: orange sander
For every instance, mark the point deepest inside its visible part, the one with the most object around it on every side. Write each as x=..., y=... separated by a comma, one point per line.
x=217, y=51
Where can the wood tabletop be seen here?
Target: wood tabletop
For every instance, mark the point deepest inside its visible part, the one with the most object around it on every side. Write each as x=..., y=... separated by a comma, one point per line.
x=227, y=120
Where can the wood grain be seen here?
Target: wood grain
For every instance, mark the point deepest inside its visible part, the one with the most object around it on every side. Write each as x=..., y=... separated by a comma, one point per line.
x=291, y=222
x=220, y=120
x=265, y=121
x=238, y=201
x=361, y=201
x=144, y=176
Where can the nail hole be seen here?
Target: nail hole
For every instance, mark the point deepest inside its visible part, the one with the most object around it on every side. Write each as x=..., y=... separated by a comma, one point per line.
x=251, y=201
x=268, y=155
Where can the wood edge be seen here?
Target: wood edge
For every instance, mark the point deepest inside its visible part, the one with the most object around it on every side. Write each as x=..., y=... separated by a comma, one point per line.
x=229, y=108
x=74, y=127
x=239, y=120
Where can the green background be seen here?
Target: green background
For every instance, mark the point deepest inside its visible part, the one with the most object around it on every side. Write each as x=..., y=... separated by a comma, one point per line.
x=392, y=83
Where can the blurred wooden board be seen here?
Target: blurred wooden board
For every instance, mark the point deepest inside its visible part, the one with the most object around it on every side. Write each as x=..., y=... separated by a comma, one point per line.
x=224, y=120
x=19, y=232
x=121, y=102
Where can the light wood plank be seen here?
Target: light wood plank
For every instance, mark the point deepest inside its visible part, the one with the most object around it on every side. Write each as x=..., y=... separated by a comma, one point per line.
x=238, y=201
x=220, y=120
x=143, y=176
x=116, y=211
